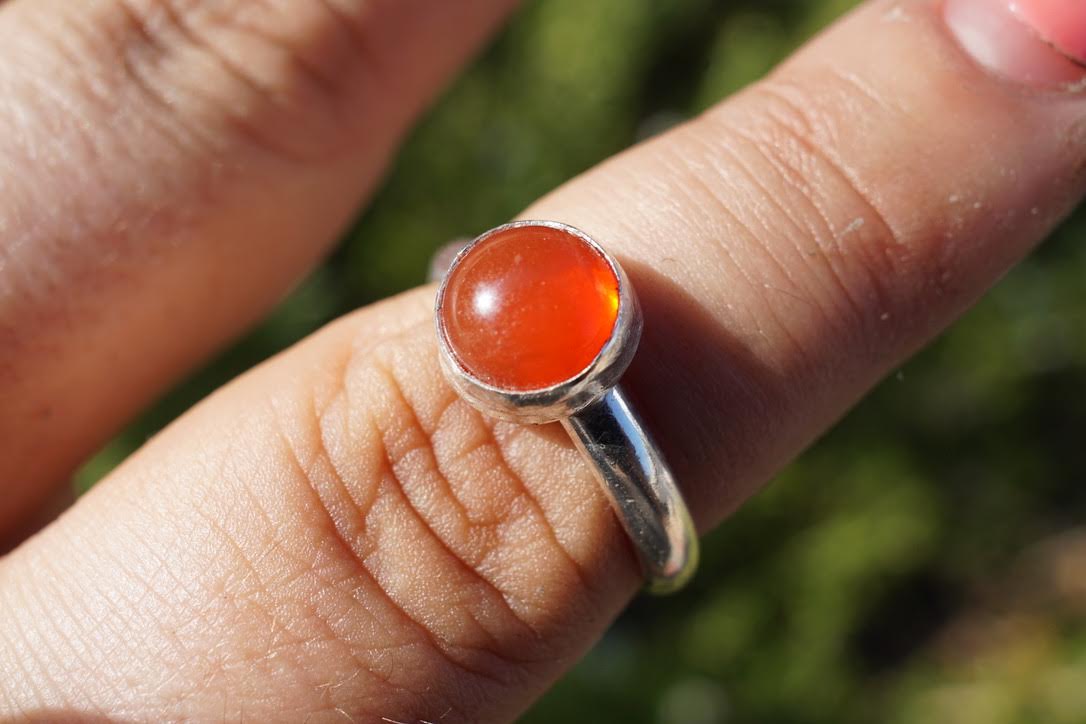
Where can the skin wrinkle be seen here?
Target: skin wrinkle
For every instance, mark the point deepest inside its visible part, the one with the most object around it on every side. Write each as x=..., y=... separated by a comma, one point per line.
x=180, y=650
x=429, y=433
x=808, y=231
x=200, y=22
x=774, y=148
x=350, y=546
x=818, y=228
x=183, y=651
x=148, y=220
x=91, y=656
x=770, y=313
x=29, y=680
x=435, y=643
x=804, y=131
x=107, y=92
x=889, y=246
x=151, y=39
x=437, y=472
x=865, y=328
x=119, y=600
x=254, y=574
x=488, y=442
x=449, y=650
x=249, y=129
x=693, y=176
x=275, y=543
x=75, y=43
x=304, y=473
x=507, y=436
x=507, y=468
x=237, y=13
x=239, y=600
x=36, y=681
x=465, y=456
x=431, y=529
x=697, y=180
x=449, y=407
x=34, y=640
x=474, y=568
x=344, y=540
x=884, y=104
x=135, y=71
x=122, y=650
x=327, y=84
x=47, y=642
x=728, y=131
x=65, y=139
x=7, y=699
x=363, y=45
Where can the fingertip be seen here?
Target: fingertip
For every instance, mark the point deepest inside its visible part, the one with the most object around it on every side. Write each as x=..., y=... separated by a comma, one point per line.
x=1035, y=42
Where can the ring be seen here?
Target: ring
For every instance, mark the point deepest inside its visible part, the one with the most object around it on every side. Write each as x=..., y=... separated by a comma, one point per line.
x=536, y=323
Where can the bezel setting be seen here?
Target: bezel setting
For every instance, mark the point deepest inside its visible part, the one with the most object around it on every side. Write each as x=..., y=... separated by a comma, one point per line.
x=558, y=401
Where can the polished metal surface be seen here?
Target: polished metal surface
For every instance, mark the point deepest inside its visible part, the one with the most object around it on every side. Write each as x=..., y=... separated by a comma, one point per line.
x=591, y=406
x=641, y=488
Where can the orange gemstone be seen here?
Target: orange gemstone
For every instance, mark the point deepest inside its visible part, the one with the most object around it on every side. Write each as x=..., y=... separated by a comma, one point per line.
x=529, y=307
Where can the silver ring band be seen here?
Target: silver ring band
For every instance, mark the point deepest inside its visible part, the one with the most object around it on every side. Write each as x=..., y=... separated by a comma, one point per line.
x=641, y=487
x=596, y=413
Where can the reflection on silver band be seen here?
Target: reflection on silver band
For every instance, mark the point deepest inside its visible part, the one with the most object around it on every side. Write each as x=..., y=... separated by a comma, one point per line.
x=641, y=487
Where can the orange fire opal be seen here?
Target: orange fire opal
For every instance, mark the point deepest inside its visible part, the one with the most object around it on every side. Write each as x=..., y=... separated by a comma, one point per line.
x=529, y=307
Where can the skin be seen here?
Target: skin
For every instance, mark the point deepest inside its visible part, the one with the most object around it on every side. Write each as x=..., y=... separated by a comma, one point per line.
x=334, y=534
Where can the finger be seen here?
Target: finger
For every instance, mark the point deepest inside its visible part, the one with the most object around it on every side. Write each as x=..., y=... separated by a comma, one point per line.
x=334, y=533
x=337, y=532
x=799, y=241
x=170, y=169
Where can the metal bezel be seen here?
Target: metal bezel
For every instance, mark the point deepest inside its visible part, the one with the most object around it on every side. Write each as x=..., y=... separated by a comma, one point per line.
x=565, y=398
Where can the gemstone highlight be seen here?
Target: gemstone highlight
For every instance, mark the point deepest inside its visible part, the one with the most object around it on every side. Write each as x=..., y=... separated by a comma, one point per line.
x=529, y=307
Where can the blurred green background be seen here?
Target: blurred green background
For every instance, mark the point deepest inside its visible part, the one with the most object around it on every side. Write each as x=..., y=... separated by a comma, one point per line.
x=920, y=564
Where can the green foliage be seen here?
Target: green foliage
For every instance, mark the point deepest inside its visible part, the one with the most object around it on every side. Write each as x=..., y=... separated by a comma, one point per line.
x=881, y=577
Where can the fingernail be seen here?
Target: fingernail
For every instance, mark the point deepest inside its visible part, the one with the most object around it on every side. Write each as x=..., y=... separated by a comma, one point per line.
x=1061, y=22
x=1037, y=42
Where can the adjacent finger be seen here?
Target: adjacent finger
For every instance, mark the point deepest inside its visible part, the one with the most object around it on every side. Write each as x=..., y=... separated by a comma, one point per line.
x=170, y=169
x=337, y=533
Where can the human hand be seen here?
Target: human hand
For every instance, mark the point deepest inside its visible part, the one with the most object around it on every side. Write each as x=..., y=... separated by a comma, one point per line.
x=335, y=533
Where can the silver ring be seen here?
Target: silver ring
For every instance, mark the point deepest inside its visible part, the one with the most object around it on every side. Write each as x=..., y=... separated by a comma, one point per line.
x=589, y=403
